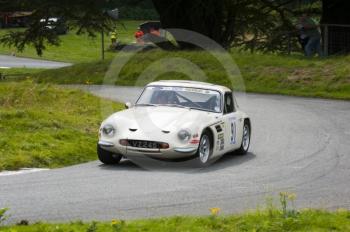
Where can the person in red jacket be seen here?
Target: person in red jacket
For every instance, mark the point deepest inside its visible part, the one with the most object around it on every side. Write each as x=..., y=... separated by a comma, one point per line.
x=138, y=35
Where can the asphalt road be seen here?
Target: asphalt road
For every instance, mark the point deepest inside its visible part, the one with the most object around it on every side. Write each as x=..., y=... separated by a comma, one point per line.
x=18, y=62
x=298, y=145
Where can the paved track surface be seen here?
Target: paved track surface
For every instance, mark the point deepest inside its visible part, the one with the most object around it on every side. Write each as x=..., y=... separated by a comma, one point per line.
x=298, y=145
x=18, y=62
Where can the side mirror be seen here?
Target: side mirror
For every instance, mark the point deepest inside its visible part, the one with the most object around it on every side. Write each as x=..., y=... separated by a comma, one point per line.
x=128, y=105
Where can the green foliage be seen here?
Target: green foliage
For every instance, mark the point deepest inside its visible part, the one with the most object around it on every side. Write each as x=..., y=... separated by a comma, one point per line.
x=269, y=26
x=117, y=225
x=2, y=215
x=92, y=227
x=261, y=73
x=46, y=126
x=36, y=36
x=258, y=220
x=285, y=198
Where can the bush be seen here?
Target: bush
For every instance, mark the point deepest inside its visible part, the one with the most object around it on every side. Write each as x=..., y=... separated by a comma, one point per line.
x=2, y=215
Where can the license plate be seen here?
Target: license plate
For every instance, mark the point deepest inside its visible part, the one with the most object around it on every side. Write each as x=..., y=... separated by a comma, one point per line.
x=143, y=144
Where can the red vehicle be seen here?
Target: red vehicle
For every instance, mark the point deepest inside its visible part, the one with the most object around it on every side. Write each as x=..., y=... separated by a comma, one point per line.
x=145, y=29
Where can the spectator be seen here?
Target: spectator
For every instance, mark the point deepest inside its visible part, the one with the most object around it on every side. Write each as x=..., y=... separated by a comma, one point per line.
x=309, y=30
x=302, y=38
x=138, y=35
x=114, y=36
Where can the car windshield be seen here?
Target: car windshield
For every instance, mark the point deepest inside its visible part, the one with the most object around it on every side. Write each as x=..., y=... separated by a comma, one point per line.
x=201, y=99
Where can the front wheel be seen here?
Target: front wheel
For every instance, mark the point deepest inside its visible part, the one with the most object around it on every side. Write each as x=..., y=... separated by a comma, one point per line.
x=205, y=149
x=245, y=139
x=107, y=157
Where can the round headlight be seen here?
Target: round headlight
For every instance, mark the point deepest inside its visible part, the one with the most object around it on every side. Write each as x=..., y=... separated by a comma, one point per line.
x=108, y=130
x=184, y=135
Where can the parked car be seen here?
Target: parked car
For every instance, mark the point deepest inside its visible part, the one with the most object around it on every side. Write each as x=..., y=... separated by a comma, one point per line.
x=56, y=24
x=176, y=119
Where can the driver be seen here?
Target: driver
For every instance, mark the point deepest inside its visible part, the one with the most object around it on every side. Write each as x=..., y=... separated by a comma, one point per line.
x=213, y=103
x=165, y=97
x=162, y=97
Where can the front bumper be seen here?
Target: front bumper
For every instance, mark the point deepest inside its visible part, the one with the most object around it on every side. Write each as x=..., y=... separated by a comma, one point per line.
x=186, y=149
x=169, y=153
x=105, y=144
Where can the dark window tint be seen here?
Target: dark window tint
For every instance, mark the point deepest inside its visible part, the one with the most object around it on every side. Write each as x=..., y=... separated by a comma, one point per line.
x=229, y=105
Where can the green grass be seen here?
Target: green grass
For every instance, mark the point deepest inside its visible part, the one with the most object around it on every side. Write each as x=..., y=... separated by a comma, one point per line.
x=262, y=221
x=46, y=126
x=15, y=73
x=261, y=73
x=77, y=48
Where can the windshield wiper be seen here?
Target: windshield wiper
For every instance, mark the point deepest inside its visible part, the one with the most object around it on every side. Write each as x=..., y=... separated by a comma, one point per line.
x=146, y=104
x=174, y=105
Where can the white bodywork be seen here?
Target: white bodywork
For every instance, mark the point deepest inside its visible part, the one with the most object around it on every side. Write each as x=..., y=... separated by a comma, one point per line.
x=163, y=123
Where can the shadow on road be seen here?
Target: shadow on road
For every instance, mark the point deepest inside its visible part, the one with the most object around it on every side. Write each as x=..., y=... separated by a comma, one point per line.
x=147, y=164
x=124, y=164
x=229, y=160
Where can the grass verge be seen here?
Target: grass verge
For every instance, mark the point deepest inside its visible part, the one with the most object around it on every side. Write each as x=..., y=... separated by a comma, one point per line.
x=306, y=220
x=17, y=73
x=261, y=73
x=46, y=126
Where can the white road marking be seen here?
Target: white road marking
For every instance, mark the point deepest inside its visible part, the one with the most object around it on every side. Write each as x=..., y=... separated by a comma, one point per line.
x=22, y=171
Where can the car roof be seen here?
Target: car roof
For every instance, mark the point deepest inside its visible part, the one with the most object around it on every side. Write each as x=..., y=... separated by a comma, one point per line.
x=190, y=84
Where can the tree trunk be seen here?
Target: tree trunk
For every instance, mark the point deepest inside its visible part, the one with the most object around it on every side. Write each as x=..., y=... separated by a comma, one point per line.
x=204, y=17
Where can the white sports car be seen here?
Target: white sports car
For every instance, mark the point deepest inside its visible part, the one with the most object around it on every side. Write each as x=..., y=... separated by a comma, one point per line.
x=176, y=120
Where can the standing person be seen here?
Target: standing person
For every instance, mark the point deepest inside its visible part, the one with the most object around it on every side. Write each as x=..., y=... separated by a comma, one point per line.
x=309, y=29
x=138, y=36
x=302, y=37
x=114, y=37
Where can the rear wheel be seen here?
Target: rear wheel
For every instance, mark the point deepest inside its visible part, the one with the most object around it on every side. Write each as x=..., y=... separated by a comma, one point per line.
x=107, y=157
x=245, y=139
x=205, y=149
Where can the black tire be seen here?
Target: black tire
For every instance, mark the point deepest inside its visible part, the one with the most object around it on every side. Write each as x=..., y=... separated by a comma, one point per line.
x=203, y=161
x=245, y=147
x=107, y=157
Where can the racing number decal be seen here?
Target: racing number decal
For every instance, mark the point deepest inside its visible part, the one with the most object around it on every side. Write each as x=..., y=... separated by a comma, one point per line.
x=221, y=141
x=233, y=130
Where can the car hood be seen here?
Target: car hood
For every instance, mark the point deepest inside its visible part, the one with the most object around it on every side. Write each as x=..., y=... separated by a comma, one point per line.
x=150, y=118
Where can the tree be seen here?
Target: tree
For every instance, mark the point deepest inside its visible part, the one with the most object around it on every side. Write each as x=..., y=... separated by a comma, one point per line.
x=136, y=9
x=88, y=16
x=265, y=25
x=256, y=24
x=211, y=18
x=336, y=12
x=252, y=23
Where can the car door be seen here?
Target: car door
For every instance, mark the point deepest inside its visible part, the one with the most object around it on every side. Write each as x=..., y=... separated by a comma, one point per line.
x=230, y=121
